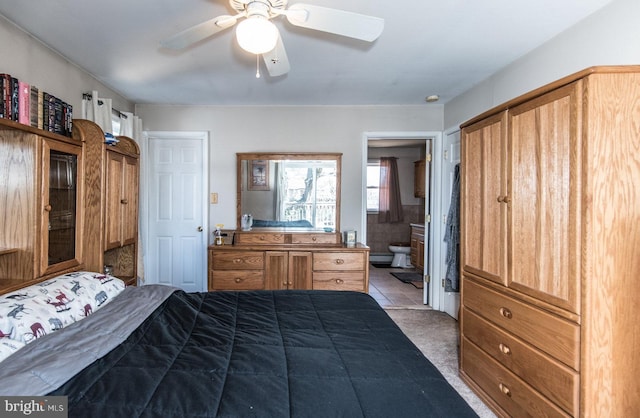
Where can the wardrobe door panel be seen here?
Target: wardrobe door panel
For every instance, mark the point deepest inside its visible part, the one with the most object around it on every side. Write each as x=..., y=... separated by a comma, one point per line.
x=544, y=211
x=483, y=191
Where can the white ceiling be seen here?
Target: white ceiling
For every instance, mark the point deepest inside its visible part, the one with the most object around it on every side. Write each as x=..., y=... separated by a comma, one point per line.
x=428, y=47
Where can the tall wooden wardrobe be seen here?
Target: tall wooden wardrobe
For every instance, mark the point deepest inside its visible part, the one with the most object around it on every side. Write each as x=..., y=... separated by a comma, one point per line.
x=111, y=178
x=550, y=249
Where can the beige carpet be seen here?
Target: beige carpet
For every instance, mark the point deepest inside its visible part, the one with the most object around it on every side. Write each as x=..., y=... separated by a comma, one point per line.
x=436, y=335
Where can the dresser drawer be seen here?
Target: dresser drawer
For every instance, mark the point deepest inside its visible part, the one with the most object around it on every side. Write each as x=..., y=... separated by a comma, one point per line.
x=553, y=379
x=338, y=281
x=238, y=260
x=505, y=388
x=319, y=238
x=338, y=261
x=259, y=238
x=237, y=280
x=551, y=334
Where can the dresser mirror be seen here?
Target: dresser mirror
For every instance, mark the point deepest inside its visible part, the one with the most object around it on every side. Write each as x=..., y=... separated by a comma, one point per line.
x=298, y=191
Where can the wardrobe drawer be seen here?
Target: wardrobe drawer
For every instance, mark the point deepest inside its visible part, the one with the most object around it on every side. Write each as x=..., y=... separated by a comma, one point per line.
x=551, y=334
x=553, y=379
x=338, y=261
x=259, y=238
x=505, y=388
x=237, y=280
x=320, y=238
x=238, y=260
x=338, y=281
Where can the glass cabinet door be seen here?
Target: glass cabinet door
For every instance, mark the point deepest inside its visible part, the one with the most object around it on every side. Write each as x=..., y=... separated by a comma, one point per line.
x=61, y=207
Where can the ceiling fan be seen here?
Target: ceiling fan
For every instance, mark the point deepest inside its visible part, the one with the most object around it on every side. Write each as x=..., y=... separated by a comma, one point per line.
x=258, y=35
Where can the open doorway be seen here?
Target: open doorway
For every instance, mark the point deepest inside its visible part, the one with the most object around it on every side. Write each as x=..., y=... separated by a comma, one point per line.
x=398, y=275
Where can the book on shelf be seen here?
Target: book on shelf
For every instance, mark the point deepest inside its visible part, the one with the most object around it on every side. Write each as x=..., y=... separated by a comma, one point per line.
x=33, y=106
x=7, y=96
x=40, y=109
x=3, y=97
x=29, y=105
x=24, y=108
x=15, y=106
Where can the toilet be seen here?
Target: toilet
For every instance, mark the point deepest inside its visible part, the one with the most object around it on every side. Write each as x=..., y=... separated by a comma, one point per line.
x=401, y=257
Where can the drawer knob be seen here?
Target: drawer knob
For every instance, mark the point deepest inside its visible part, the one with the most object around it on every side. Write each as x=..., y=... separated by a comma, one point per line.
x=506, y=313
x=505, y=349
x=47, y=208
x=238, y=280
x=339, y=281
x=237, y=260
x=261, y=237
x=504, y=389
x=314, y=239
x=339, y=261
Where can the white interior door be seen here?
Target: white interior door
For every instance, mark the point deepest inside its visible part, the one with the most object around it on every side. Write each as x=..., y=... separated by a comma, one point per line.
x=451, y=157
x=176, y=214
x=426, y=262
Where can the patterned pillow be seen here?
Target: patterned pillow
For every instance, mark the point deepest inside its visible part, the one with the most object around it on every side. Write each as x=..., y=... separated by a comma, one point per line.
x=34, y=311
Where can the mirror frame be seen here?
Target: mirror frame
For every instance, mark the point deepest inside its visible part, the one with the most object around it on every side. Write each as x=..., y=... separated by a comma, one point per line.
x=241, y=156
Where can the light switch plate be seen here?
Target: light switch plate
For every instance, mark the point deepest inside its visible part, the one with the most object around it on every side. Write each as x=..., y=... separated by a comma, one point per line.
x=214, y=198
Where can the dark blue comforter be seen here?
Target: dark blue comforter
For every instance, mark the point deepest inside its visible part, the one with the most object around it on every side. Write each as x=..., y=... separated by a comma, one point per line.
x=265, y=354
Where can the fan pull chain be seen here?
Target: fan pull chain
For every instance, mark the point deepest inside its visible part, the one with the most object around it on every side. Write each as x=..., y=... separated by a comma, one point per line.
x=257, y=66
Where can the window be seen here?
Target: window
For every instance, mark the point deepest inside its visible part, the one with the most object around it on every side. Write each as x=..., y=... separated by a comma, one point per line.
x=373, y=185
x=115, y=123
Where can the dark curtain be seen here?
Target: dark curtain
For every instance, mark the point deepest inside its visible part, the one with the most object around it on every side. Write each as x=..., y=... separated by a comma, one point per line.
x=452, y=236
x=390, y=204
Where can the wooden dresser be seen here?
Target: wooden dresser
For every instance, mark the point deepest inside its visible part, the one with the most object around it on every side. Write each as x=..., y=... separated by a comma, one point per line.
x=262, y=259
x=550, y=249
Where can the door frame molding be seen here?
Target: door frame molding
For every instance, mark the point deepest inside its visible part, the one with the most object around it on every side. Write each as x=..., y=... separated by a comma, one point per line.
x=204, y=138
x=435, y=255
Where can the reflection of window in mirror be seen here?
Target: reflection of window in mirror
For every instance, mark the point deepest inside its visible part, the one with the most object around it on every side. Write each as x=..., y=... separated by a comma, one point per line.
x=307, y=191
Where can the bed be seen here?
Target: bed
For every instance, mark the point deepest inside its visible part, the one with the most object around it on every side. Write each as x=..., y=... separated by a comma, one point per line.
x=158, y=351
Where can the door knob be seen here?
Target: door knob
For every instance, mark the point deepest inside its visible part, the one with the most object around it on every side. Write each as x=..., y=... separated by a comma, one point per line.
x=199, y=229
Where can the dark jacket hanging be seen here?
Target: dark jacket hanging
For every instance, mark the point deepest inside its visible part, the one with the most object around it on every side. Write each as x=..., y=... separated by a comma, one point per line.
x=452, y=236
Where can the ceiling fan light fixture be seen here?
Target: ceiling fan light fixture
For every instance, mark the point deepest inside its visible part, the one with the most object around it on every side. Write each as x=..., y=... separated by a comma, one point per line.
x=257, y=35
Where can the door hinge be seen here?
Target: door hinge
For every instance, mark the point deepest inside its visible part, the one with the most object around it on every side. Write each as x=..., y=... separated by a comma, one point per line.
x=428, y=157
x=427, y=218
x=446, y=154
x=427, y=278
x=442, y=282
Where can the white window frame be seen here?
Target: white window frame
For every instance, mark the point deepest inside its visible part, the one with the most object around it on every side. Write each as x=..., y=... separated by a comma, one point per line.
x=373, y=184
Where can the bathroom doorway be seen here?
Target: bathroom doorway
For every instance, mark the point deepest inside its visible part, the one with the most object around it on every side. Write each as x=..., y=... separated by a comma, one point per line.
x=412, y=156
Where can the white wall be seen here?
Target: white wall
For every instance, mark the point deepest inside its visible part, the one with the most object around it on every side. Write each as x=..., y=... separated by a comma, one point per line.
x=31, y=61
x=610, y=36
x=288, y=129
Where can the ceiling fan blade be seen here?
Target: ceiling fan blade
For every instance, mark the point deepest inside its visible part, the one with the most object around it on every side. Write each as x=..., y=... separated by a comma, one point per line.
x=339, y=22
x=199, y=32
x=276, y=60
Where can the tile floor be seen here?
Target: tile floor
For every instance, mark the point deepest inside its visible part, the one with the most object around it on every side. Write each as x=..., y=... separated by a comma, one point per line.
x=390, y=292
